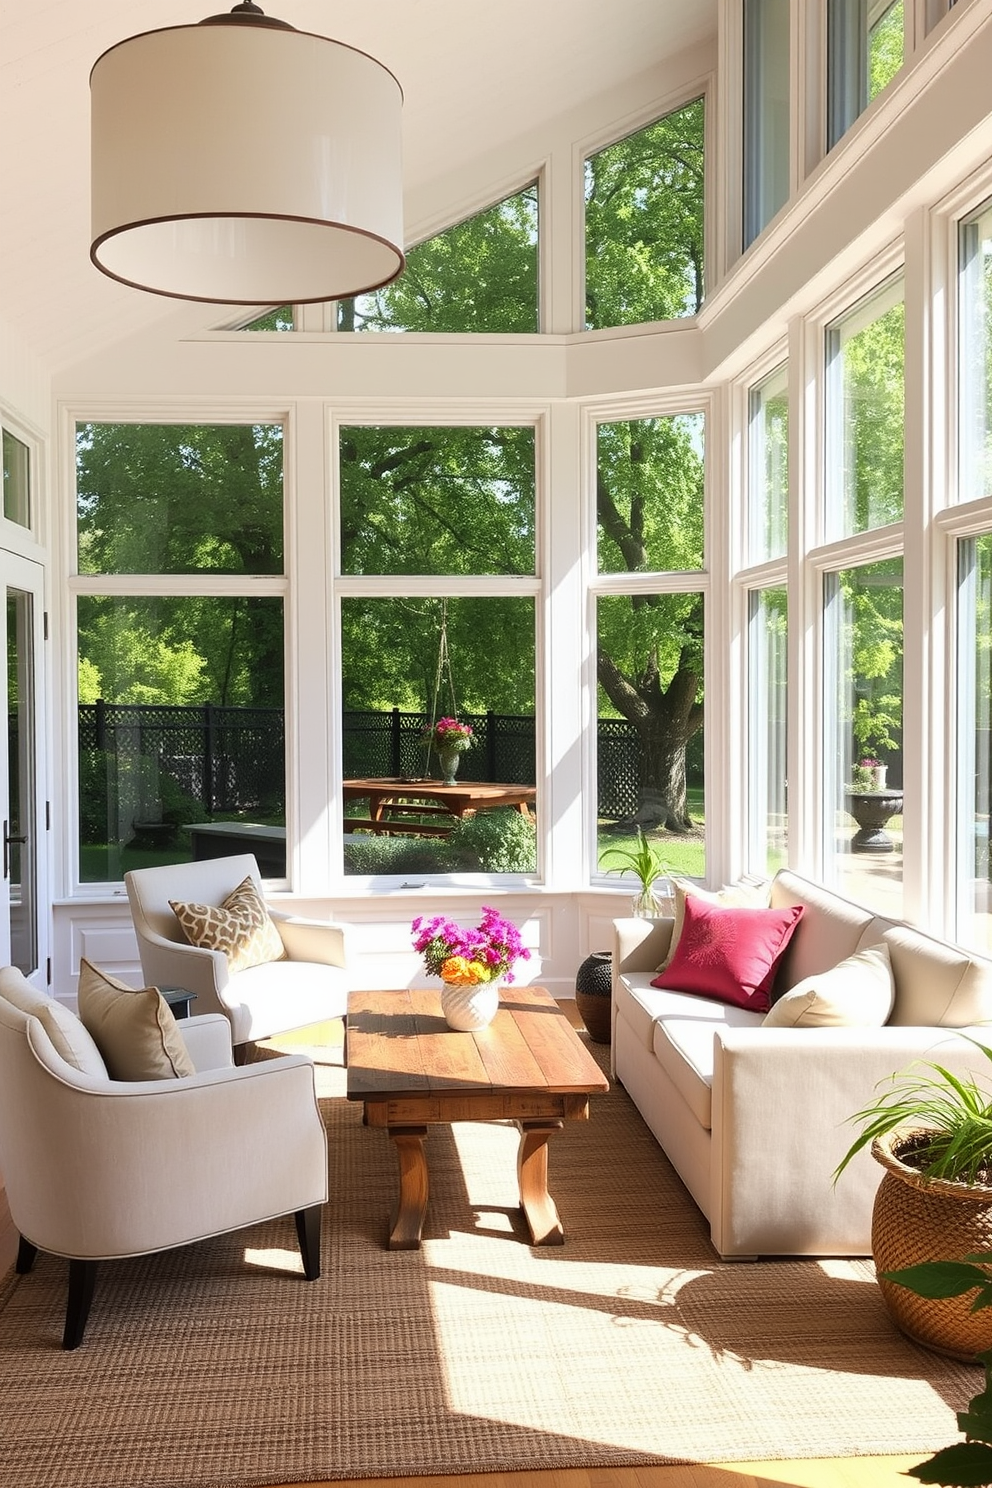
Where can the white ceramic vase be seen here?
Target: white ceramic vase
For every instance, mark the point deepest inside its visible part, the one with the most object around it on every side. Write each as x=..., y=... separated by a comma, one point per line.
x=467, y=1008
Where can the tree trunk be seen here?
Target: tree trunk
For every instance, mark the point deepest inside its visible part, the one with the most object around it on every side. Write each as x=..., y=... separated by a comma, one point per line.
x=662, y=784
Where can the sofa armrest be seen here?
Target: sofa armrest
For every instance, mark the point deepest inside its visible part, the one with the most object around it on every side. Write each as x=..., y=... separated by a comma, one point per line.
x=322, y=941
x=783, y=1099
x=640, y=945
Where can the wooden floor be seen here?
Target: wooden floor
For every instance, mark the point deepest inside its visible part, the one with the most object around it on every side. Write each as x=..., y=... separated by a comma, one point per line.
x=844, y=1472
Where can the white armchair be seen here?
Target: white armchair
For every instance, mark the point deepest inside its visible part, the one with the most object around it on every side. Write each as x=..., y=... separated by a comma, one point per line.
x=97, y=1169
x=309, y=986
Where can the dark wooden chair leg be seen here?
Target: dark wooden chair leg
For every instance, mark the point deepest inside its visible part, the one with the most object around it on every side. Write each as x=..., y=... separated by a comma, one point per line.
x=308, y=1233
x=26, y=1253
x=82, y=1281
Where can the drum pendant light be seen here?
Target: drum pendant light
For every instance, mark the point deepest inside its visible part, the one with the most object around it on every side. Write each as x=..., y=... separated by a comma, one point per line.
x=243, y=162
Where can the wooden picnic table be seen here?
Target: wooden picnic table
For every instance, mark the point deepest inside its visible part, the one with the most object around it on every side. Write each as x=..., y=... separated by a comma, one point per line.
x=393, y=800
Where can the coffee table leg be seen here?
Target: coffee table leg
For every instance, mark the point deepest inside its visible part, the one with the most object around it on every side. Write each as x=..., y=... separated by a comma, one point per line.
x=532, y=1172
x=408, y=1216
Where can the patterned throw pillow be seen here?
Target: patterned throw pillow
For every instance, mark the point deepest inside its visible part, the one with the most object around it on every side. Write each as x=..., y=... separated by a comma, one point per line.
x=240, y=927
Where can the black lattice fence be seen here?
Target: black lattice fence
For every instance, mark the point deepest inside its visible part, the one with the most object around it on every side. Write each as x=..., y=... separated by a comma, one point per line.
x=197, y=760
x=617, y=756
x=392, y=744
x=190, y=762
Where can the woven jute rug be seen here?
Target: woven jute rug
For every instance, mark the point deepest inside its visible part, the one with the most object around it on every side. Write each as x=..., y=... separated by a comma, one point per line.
x=631, y=1344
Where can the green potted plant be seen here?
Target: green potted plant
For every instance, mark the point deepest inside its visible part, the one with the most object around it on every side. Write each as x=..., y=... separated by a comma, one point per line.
x=932, y=1132
x=968, y=1463
x=648, y=864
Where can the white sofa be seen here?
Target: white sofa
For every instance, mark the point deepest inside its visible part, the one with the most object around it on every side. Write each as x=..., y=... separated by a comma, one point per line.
x=755, y=1119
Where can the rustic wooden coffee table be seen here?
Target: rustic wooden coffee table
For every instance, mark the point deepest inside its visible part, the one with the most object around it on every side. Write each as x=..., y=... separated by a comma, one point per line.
x=411, y=1071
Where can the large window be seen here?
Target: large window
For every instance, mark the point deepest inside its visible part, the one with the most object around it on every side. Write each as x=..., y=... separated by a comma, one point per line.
x=975, y=356
x=181, y=696
x=974, y=743
x=767, y=804
x=480, y=275
x=649, y=496
x=862, y=742
x=768, y=468
x=766, y=112
x=16, y=480
x=453, y=500
x=644, y=223
x=865, y=353
x=453, y=507
x=865, y=51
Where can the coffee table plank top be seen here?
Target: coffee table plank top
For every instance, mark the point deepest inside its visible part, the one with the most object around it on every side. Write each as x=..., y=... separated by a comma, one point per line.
x=398, y=1044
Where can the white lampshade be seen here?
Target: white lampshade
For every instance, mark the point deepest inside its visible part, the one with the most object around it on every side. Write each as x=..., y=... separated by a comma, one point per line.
x=244, y=162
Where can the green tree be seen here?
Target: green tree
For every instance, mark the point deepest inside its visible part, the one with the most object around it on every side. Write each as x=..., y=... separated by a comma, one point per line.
x=649, y=497
x=479, y=275
x=644, y=223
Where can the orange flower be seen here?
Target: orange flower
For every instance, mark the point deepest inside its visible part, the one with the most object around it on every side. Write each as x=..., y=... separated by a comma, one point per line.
x=458, y=971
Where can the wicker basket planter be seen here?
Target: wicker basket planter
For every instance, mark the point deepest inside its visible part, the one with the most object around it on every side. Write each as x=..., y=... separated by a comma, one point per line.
x=918, y=1219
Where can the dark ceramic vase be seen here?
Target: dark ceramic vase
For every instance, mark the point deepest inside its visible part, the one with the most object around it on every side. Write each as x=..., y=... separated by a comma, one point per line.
x=593, y=989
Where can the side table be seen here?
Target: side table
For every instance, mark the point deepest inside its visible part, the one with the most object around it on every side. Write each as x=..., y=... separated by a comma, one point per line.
x=178, y=999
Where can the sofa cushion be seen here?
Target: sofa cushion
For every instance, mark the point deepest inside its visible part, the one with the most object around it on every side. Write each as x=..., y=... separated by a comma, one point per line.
x=70, y=1039
x=240, y=927
x=857, y=993
x=135, y=1032
x=937, y=984
x=831, y=929
x=685, y=1050
x=733, y=896
x=729, y=954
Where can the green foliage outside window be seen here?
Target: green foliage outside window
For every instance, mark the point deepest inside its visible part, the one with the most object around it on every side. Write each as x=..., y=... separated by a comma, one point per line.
x=644, y=223
x=479, y=276
x=390, y=646
x=649, y=494
x=437, y=500
x=179, y=498
x=885, y=48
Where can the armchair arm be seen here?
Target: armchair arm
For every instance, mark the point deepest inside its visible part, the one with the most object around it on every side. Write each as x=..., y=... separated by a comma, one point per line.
x=208, y=1041
x=323, y=941
x=143, y=1166
x=166, y=963
x=783, y=1099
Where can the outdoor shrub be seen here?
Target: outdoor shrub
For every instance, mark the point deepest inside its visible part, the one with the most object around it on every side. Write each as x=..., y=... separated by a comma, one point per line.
x=504, y=841
x=396, y=855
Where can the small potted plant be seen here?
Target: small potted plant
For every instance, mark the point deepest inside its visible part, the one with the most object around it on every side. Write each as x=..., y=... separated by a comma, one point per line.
x=472, y=964
x=932, y=1132
x=648, y=864
x=962, y=1464
x=450, y=739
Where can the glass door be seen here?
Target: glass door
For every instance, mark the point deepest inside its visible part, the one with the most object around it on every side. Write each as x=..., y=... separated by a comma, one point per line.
x=22, y=802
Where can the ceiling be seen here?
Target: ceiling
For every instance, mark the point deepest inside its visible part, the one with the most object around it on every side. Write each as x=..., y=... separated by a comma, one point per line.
x=471, y=74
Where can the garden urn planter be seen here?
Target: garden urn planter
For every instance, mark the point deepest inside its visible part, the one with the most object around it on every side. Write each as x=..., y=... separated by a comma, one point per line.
x=917, y=1219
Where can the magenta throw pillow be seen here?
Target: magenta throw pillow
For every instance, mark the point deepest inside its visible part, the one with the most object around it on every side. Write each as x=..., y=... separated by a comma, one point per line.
x=729, y=955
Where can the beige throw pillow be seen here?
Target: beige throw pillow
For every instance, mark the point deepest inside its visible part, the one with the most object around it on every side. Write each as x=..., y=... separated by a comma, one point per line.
x=736, y=896
x=240, y=927
x=135, y=1032
x=856, y=993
